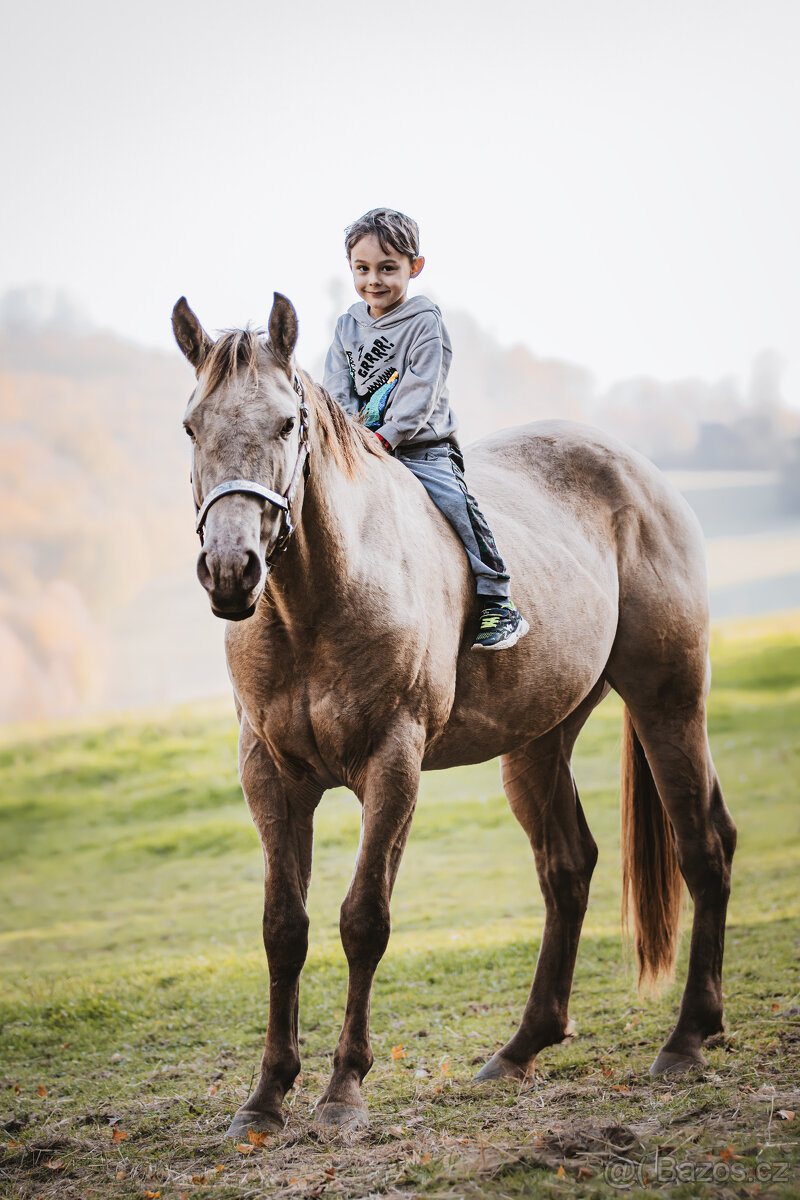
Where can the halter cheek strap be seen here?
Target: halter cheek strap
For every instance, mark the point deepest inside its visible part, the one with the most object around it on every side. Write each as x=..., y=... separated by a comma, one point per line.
x=249, y=487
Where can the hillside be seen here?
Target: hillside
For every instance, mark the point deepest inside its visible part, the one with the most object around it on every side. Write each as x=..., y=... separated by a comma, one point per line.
x=93, y=502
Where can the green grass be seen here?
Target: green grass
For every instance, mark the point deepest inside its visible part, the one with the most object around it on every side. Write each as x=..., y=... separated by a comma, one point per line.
x=132, y=979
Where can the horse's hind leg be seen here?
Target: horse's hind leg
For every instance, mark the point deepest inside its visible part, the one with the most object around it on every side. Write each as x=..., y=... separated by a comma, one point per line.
x=541, y=791
x=672, y=730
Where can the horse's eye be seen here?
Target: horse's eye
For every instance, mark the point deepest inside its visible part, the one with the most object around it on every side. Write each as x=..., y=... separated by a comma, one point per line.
x=288, y=426
x=190, y=433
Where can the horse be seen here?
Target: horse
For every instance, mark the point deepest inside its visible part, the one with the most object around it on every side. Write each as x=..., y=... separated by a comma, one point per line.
x=350, y=615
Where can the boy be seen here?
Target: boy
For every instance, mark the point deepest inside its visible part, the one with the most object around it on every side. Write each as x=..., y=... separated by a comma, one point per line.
x=388, y=366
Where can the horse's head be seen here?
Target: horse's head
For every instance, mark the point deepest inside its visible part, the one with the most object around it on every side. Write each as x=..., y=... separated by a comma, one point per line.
x=248, y=425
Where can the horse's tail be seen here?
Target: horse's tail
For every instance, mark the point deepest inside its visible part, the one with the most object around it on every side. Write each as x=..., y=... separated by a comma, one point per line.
x=651, y=879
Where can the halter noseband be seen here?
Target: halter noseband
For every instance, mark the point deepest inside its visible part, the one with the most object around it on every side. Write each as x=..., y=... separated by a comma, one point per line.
x=283, y=501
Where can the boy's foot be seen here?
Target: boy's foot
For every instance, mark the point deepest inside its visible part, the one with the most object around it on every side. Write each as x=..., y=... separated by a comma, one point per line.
x=500, y=626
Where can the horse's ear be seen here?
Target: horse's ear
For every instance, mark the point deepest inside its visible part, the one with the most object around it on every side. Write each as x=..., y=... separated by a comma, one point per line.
x=189, y=334
x=283, y=328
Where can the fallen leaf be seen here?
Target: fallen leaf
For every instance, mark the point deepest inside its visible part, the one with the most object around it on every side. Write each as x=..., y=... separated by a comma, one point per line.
x=219, y=1167
x=17, y=1088
x=330, y=1172
x=395, y=1131
x=118, y=1135
x=584, y=1173
x=120, y=1174
x=727, y=1154
x=198, y=1179
x=183, y=1196
x=444, y=1069
x=620, y=1087
x=256, y=1139
x=54, y=1164
x=41, y=1090
x=152, y=1195
x=785, y=1114
x=244, y=1149
x=398, y=1052
x=774, y=1007
x=561, y=1173
x=212, y=1091
x=426, y=1158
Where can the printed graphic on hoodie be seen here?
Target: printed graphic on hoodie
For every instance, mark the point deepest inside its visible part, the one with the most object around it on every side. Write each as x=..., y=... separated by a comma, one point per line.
x=373, y=394
x=373, y=409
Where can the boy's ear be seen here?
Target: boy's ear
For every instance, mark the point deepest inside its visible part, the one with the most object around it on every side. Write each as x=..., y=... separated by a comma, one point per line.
x=416, y=267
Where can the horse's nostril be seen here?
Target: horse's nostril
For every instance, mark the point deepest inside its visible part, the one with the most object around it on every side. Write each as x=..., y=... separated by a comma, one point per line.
x=203, y=573
x=251, y=576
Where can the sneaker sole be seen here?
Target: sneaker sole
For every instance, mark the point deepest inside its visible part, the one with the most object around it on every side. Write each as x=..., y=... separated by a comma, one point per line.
x=508, y=642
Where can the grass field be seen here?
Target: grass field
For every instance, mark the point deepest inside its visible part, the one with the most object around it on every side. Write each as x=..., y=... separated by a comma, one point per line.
x=133, y=978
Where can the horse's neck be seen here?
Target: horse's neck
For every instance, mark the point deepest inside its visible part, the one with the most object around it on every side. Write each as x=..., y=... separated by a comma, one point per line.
x=317, y=572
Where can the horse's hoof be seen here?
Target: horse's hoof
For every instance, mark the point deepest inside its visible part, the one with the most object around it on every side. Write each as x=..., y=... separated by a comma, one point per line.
x=260, y=1122
x=669, y=1063
x=340, y=1118
x=500, y=1068
x=570, y=1032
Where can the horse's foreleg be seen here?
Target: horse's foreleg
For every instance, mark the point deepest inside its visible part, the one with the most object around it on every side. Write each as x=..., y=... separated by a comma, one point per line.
x=388, y=795
x=541, y=791
x=282, y=811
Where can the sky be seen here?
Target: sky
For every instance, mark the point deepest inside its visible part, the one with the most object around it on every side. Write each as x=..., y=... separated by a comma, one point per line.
x=609, y=182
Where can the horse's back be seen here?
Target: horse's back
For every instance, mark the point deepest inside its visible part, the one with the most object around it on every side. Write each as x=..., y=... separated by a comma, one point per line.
x=579, y=484
x=605, y=557
x=595, y=486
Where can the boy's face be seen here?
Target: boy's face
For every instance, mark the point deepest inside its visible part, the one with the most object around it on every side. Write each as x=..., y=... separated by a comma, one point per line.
x=381, y=276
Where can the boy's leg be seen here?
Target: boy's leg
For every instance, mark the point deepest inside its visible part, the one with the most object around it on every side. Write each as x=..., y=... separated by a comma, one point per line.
x=440, y=471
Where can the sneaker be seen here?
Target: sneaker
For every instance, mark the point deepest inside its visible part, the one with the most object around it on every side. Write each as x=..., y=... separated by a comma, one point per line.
x=501, y=626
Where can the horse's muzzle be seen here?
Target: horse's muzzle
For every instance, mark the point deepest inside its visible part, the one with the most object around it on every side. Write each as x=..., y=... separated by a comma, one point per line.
x=234, y=582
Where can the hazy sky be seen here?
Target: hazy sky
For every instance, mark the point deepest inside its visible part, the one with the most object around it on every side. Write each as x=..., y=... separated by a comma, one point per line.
x=612, y=182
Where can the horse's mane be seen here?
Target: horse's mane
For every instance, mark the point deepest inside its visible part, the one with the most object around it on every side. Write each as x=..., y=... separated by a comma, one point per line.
x=347, y=442
x=234, y=348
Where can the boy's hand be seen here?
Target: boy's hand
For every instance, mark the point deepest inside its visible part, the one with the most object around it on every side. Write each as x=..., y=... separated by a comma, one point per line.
x=384, y=443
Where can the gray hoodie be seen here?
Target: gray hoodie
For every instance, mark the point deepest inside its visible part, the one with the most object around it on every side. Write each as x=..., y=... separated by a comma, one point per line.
x=392, y=372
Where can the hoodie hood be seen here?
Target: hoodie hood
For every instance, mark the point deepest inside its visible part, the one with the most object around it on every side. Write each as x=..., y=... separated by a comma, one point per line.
x=409, y=308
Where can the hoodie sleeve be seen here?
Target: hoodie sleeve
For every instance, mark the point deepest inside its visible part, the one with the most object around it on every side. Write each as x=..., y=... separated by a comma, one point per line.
x=337, y=378
x=417, y=394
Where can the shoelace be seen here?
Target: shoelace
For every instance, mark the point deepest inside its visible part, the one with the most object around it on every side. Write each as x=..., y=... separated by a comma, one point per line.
x=490, y=619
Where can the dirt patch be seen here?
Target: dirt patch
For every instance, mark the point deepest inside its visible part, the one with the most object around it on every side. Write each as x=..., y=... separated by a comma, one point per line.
x=664, y=1134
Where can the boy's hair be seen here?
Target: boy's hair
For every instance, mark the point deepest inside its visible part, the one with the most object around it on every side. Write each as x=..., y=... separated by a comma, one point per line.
x=394, y=230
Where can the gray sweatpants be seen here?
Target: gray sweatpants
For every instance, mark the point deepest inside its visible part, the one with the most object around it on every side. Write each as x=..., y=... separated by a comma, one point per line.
x=440, y=470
